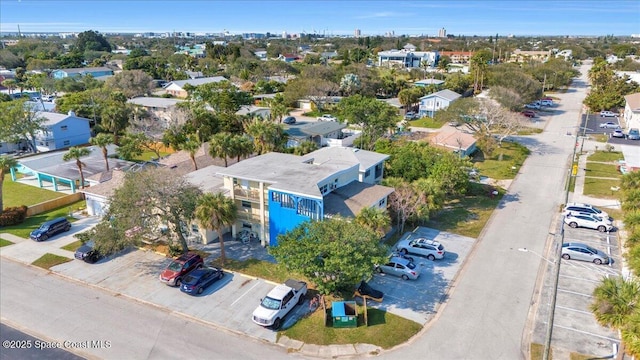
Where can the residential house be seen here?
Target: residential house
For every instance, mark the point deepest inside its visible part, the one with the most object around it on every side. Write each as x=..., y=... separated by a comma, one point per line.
x=632, y=111
x=102, y=186
x=208, y=180
x=288, y=57
x=292, y=189
x=261, y=54
x=521, y=56
x=426, y=82
x=317, y=132
x=79, y=72
x=62, y=131
x=176, y=87
x=197, y=51
x=455, y=140
x=458, y=57
x=159, y=109
x=254, y=111
x=431, y=103
x=567, y=54
x=408, y=59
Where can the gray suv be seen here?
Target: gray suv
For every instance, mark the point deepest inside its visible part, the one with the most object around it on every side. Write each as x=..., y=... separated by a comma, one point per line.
x=50, y=228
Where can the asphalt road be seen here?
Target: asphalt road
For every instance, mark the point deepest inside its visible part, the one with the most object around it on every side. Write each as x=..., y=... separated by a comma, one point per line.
x=98, y=324
x=17, y=345
x=490, y=307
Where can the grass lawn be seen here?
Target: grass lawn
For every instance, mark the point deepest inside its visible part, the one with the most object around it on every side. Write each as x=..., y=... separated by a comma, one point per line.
x=73, y=246
x=606, y=156
x=33, y=222
x=259, y=268
x=468, y=215
x=385, y=330
x=47, y=261
x=602, y=170
x=426, y=122
x=16, y=194
x=5, y=242
x=529, y=131
x=578, y=356
x=601, y=188
x=599, y=137
x=148, y=155
x=537, y=352
x=499, y=165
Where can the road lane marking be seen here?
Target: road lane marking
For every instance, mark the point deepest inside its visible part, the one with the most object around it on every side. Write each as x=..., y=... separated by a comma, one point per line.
x=587, y=333
x=245, y=293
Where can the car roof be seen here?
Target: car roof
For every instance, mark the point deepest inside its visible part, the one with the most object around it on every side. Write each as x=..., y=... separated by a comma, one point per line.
x=399, y=260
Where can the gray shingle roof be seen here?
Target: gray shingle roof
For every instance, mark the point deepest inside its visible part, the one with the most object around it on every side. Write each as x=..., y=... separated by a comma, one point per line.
x=197, y=82
x=445, y=94
x=154, y=102
x=348, y=200
x=316, y=128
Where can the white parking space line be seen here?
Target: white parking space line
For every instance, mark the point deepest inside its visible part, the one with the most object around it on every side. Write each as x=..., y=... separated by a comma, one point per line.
x=580, y=278
x=575, y=292
x=245, y=293
x=574, y=310
x=595, y=268
x=586, y=333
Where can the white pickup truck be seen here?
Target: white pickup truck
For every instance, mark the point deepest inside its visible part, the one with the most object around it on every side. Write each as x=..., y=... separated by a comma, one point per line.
x=279, y=302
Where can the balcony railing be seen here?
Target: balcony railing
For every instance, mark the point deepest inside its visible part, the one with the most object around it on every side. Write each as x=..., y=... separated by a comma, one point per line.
x=251, y=194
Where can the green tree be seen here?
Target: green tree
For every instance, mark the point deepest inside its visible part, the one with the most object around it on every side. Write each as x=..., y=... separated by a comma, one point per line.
x=216, y=212
x=221, y=96
x=115, y=116
x=147, y=200
x=616, y=303
x=278, y=107
x=267, y=136
x=131, y=83
x=91, y=40
x=305, y=147
x=75, y=153
x=6, y=164
x=103, y=140
x=375, y=219
x=241, y=146
x=334, y=254
x=374, y=117
x=405, y=202
x=192, y=145
x=350, y=84
x=221, y=146
x=19, y=122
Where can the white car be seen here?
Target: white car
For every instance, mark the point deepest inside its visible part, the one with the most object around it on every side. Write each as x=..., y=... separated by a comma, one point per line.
x=588, y=221
x=609, y=125
x=420, y=246
x=606, y=113
x=532, y=106
x=546, y=102
x=576, y=208
x=327, y=117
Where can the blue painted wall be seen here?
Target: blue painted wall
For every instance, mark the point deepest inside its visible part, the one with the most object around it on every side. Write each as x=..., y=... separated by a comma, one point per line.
x=59, y=74
x=287, y=211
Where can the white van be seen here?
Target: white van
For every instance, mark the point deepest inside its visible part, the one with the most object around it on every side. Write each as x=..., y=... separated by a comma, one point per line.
x=546, y=102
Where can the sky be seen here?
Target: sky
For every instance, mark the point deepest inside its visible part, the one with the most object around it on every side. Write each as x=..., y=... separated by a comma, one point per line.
x=329, y=17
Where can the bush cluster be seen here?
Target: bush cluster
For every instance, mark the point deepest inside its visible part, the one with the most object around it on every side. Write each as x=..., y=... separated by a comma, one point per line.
x=13, y=215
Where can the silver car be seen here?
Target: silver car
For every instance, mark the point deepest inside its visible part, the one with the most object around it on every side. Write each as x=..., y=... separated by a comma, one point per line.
x=397, y=266
x=430, y=249
x=588, y=221
x=578, y=251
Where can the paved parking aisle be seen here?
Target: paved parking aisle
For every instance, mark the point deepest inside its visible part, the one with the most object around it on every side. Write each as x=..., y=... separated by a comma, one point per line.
x=575, y=328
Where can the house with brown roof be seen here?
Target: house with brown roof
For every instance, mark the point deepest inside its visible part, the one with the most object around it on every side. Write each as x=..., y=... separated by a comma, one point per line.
x=455, y=140
x=98, y=195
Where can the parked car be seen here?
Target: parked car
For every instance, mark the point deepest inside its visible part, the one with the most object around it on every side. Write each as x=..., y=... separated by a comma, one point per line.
x=575, y=208
x=50, y=228
x=175, y=272
x=410, y=115
x=199, y=279
x=617, y=134
x=578, y=251
x=88, y=254
x=289, y=120
x=421, y=246
x=588, y=221
x=609, y=125
x=606, y=113
x=529, y=113
x=399, y=267
x=532, y=106
x=279, y=302
x=633, y=134
x=327, y=117
x=546, y=102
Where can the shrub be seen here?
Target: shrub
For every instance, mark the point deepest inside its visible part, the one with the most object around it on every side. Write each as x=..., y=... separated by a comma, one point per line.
x=13, y=215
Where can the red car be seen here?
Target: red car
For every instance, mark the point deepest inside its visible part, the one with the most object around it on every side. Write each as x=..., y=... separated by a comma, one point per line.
x=180, y=267
x=529, y=113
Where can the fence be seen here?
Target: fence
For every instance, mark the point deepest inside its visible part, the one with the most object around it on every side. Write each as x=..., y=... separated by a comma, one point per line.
x=54, y=204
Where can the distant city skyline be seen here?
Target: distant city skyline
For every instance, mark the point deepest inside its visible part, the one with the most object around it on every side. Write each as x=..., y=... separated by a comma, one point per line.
x=372, y=18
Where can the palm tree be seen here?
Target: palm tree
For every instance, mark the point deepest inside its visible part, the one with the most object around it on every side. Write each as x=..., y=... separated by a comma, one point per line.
x=103, y=140
x=192, y=145
x=267, y=136
x=6, y=164
x=375, y=219
x=242, y=146
x=215, y=212
x=305, y=147
x=221, y=146
x=616, y=302
x=278, y=107
x=77, y=153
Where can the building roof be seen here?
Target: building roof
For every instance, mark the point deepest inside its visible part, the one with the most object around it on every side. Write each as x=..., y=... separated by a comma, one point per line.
x=347, y=201
x=55, y=118
x=633, y=100
x=316, y=128
x=85, y=70
x=285, y=172
x=250, y=109
x=631, y=155
x=197, y=82
x=110, y=181
x=180, y=161
x=454, y=139
x=395, y=102
x=445, y=94
x=351, y=156
x=429, y=82
x=207, y=179
x=51, y=163
x=156, y=102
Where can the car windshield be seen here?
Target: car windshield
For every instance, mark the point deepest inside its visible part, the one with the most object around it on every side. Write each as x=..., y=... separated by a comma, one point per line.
x=270, y=303
x=189, y=279
x=411, y=265
x=43, y=227
x=175, y=266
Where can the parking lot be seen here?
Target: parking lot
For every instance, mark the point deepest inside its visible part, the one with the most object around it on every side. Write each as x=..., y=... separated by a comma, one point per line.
x=591, y=125
x=418, y=300
x=575, y=328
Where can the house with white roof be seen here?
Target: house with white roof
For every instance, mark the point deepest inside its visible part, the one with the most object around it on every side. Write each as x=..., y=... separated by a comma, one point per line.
x=176, y=87
x=62, y=131
x=632, y=111
x=431, y=103
x=408, y=59
x=160, y=109
x=79, y=72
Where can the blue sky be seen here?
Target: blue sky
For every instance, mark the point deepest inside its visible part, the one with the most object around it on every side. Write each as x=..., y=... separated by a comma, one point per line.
x=335, y=17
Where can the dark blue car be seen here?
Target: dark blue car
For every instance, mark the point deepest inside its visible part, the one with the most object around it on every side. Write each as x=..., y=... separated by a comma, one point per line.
x=196, y=281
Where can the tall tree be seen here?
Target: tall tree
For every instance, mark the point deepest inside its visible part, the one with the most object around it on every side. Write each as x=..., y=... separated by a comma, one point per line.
x=267, y=136
x=216, y=212
x=375, y=219
x=374, y=117
x=192, y=145
x=131, y=83
x=241, y=146
x=75, y=153
x=6, y=164
x=103, y=140
x=278, y=107
x=221, y=146
x=20, y=122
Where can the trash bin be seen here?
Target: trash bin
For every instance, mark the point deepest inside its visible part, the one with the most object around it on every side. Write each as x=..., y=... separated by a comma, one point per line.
x=344, y=314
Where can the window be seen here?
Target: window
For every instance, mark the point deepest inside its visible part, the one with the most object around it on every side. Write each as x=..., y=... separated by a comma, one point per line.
x=246, y=204
x=66, y=142
x=382, y=202
x=367, y=173
x=323, y=189
x=64, y=127
x=308, y=208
